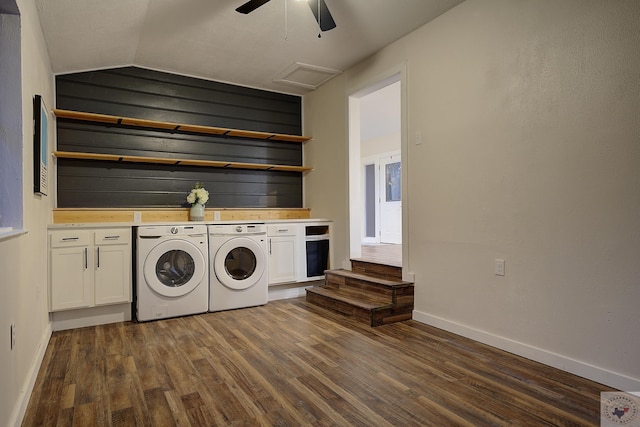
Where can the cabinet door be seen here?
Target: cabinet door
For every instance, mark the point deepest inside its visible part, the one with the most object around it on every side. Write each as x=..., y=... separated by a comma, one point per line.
x=113, y=278
x=71, y=278
x=282, y=259
x=112, y=266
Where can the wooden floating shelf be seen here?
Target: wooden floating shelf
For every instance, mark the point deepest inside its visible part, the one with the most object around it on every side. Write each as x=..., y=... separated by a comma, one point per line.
x=169, y=215
x=176, y=127
x=183, y=162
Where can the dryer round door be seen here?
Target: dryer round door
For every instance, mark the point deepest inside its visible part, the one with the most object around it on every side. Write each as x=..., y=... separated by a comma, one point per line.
x=174, y=268
x=239, y=263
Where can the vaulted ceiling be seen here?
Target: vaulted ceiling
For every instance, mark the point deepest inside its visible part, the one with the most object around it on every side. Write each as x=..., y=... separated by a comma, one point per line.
x=276, y=47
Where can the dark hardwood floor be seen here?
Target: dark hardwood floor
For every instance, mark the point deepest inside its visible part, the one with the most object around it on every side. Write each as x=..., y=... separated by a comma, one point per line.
x=291, y=364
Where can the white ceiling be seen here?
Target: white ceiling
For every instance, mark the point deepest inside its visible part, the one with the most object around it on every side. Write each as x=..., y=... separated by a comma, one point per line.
x=209, y=39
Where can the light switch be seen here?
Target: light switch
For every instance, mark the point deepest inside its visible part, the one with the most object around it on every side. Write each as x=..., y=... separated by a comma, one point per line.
x=418, y=137
x=499, y=267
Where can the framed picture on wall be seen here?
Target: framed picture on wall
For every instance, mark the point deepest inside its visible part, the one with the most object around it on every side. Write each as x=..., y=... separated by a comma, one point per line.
x=40, y=146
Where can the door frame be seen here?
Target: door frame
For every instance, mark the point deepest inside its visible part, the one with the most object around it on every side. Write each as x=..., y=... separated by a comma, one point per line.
x=397, y=73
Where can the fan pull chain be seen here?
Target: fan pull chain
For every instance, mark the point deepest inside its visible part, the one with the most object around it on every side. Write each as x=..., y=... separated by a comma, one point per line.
x=319, y=21
x=286, y=22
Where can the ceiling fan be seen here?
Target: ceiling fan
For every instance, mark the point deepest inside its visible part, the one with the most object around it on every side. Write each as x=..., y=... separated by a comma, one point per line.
x=318, y=7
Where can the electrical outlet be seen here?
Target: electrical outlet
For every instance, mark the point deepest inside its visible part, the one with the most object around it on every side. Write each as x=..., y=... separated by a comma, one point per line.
x=216, y=215
x=13, y=335
x=499, y=267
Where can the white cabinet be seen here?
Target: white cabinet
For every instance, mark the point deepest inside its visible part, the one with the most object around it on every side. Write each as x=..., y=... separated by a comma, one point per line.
x=89, y=267
x=282, y=248
x=71, y=280
x=113, y=266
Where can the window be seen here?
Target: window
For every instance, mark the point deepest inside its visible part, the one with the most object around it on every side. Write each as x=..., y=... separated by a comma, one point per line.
x=11, y=185
x=393, y=189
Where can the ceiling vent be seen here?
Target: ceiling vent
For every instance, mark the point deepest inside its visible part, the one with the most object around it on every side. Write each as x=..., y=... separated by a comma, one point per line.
x=306, y=76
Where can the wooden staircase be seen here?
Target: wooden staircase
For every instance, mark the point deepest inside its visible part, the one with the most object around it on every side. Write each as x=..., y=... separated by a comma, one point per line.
x=372, y=293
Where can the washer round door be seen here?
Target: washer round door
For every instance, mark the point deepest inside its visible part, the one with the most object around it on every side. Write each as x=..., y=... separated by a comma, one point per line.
x=174, y=268
x=239, y=263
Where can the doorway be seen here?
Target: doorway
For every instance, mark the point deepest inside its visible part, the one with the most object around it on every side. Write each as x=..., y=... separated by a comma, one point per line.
x=382, y=179
x=375, y=147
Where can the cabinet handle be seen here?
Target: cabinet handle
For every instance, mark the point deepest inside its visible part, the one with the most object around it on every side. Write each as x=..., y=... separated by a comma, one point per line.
x=98, y=256
x=86, y=258
x=111, y=237
x=269, y=246
x=283, y=230
x=68, y=239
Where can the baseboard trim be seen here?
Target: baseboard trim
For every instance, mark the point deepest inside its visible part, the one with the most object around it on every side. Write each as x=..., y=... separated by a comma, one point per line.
x=287, y=291
x=25, y=392
x=576, y=367
x=81, y=318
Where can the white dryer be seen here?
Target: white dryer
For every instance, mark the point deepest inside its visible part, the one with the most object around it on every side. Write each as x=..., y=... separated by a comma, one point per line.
x=172, y=271
x=238, y=269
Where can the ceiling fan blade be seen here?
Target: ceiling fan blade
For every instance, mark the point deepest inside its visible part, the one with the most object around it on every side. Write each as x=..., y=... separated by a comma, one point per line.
x=325, y=19
x=251, y=5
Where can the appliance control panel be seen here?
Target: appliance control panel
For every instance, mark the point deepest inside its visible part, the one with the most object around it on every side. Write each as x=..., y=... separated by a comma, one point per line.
x=235, y=229
x=171, y=230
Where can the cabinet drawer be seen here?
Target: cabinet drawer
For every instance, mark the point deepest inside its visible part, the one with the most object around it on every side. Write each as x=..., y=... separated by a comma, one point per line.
x=282, y=230
x=113, y=236
x=69, y=238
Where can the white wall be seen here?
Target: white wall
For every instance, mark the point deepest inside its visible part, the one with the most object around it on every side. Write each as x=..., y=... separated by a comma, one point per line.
x=531, y=144
x=327, y=153
x=23, y=259
x=380, y=145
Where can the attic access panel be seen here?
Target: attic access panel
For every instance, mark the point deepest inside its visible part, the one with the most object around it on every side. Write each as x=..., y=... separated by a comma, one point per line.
x=306, y=76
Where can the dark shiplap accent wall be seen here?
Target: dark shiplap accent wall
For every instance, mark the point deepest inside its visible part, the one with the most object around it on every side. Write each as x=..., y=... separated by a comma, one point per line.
x=152, y=95
x=148, y=185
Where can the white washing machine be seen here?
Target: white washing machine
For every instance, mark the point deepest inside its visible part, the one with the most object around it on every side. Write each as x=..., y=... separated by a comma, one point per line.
x=172, y=271
x=238, y=266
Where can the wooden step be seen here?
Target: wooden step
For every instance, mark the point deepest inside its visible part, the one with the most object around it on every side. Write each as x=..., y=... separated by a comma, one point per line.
x=383, y=271
x=358, y=301
x=364, y=283
x=376, y=301
x=374, y=314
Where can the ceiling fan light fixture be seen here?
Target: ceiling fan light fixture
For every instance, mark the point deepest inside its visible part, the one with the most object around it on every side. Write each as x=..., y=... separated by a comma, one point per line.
x=250, y=6
x=318, y=7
